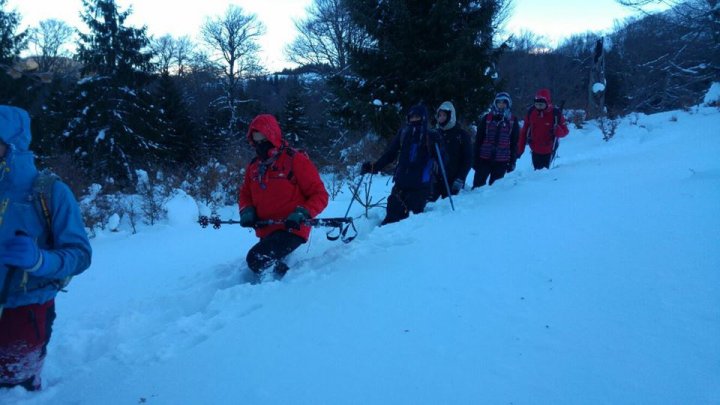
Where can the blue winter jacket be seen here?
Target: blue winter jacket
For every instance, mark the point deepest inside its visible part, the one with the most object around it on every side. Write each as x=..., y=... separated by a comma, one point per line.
x=414, y=148
x=67, y=252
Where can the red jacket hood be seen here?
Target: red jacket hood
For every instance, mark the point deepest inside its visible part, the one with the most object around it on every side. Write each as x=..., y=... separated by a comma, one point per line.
x=544, y=94
x=268, y=125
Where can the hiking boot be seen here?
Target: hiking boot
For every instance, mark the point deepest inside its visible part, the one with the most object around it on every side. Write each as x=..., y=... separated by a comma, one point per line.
x=280, y=269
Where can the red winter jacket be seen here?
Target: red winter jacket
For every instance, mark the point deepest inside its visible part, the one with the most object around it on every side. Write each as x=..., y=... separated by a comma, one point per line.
x=541, y=128
x=290, y=181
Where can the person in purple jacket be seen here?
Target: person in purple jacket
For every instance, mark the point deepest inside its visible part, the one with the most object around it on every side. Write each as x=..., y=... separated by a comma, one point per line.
x=496, y=142
x=41, y=247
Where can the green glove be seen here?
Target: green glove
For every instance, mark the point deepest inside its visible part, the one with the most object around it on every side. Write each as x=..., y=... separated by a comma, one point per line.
x=248, y=217
x=295, y=219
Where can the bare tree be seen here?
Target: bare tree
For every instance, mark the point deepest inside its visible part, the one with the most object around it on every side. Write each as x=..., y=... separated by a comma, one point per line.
x=529, y=42
x=46, y=42
x=684, y=57
x=183, y=53
x=233, y=39
x=164, y=50
x=598, y=82
x=326, y=35
x=698, y=21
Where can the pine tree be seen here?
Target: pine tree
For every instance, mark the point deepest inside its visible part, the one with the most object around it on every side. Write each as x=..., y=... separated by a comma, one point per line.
x=295, y=123
x=424, y=51
x=12, y=41
x=180, y=134
x=113, y=128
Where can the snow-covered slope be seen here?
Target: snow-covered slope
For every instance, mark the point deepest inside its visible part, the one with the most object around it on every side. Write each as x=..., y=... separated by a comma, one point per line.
x=596, y=282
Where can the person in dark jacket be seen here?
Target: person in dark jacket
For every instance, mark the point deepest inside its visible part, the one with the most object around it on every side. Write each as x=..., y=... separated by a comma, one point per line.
x=496, y=142
x=414, y=146
x=458, y=152
x=544, y=124
x=281, y=185
x=39, y=252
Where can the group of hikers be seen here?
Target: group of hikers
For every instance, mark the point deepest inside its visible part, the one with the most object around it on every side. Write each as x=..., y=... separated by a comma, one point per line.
x=43, y=242
x=434, y=163
x=282, y=188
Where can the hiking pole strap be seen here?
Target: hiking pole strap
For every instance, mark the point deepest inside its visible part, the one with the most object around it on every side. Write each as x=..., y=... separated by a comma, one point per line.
x=341, y=226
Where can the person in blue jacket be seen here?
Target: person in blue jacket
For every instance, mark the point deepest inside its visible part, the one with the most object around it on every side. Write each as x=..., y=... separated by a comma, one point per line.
x=39, y=252
x=415, y=148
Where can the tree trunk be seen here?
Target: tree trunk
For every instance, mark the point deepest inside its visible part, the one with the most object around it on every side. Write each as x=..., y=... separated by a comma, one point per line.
x=596, y=86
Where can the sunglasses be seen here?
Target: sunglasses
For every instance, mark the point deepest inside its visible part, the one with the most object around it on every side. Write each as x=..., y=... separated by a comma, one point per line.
x=540, y=101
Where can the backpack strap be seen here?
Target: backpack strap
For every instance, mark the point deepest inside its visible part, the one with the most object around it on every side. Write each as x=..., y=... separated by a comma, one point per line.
x=42, y=191
x=291, y=152
x=42, y=197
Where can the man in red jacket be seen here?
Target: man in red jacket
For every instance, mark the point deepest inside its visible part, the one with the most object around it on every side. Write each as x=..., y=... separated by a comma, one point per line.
x=281, y=185
x=544, y=124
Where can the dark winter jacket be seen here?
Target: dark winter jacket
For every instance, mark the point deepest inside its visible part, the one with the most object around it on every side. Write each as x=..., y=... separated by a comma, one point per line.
x=287, y=179
x=542, y=127
x=414, y=148
x=497, y=138
x=458, y=147
x=66, y=249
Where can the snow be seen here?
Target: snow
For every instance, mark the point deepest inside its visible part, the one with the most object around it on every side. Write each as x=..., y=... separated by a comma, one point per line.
x=713, y=95
x=595, y=282
x=598, y=88
x=113, y=222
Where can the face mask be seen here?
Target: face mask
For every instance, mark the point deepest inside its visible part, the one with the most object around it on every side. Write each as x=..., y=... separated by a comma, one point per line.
x=263, y=149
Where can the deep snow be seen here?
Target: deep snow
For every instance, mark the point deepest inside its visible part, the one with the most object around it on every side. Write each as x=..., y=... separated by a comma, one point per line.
x=596, y=282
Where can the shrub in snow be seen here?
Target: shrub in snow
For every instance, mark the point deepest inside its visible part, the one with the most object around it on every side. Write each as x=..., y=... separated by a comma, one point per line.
x=608, y=126
x=214, y=185
x=154, y=193
x=577, y=117
x=96, y=208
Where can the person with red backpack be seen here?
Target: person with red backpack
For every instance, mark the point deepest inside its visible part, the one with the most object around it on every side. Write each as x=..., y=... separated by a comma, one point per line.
x=496, y=142
x=42, y=245
x=544, y=124
x=281, y=186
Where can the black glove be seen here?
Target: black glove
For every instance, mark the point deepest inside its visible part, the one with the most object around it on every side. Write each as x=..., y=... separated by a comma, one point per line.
x=295, y=219
x=456, y=186
x=248, y=217
x=366, y=168
x=510, y=166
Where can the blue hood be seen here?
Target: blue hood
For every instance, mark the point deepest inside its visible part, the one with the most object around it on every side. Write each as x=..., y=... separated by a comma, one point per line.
x=18, y=166
x=15, y=127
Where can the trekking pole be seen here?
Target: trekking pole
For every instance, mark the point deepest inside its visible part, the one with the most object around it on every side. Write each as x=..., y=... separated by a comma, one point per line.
x=556, y=143
x=341, y=225
x=355, y=193
x=11, y=270
x=444, y=175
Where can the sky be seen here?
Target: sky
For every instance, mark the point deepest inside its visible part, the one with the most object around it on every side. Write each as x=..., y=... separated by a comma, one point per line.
x=595, y=282
x=553, y=19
